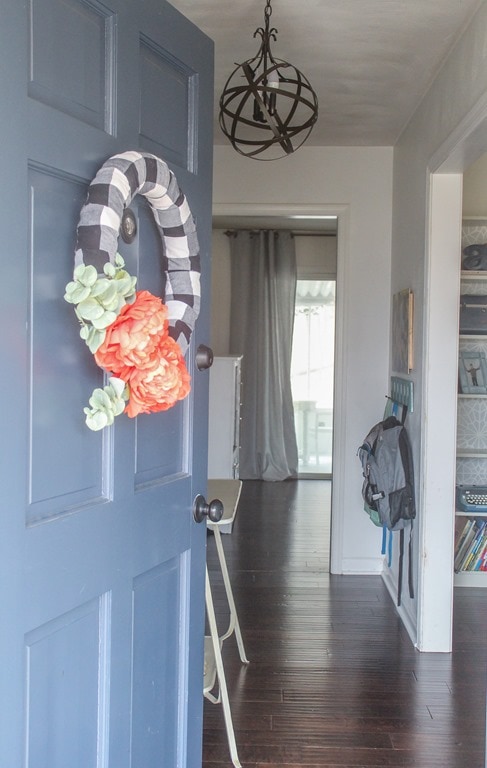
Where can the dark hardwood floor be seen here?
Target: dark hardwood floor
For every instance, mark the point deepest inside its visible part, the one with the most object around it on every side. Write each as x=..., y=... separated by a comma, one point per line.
x=333, y=678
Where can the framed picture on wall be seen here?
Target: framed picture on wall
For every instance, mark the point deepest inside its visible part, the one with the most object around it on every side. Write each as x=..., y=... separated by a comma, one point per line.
x=472, y=373
x=402, y=331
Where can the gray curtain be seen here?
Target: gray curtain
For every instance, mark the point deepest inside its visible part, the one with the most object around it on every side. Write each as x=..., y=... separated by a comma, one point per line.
x=262, y=316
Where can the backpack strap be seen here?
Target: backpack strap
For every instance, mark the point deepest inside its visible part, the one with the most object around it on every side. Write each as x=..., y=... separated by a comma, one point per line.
x=410, y=569
x=389, y=550
x=401, y=542
x=404, y=414
x=410, y=563
x=401, y=561
x=384, y=540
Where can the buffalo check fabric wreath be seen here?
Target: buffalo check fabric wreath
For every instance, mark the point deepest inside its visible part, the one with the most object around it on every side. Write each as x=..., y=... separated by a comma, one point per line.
x=138, y=340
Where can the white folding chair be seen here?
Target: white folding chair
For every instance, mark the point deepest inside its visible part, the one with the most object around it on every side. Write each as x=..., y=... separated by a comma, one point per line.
x=215, y=673
x=228, y=491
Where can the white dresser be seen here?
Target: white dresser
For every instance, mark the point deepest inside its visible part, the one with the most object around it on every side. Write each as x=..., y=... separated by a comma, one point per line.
x=224, y=418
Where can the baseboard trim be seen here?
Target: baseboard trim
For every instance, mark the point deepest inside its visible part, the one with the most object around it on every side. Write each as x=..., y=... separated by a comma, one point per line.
x=408, y=621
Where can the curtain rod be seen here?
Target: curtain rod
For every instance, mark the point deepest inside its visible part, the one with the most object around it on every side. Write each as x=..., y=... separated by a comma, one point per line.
x=294, y=232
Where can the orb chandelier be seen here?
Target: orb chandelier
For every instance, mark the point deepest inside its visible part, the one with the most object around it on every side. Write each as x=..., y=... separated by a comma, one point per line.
x=267, y=107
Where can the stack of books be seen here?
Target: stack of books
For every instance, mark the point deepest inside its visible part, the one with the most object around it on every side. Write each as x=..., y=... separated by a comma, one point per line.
x=471, y=546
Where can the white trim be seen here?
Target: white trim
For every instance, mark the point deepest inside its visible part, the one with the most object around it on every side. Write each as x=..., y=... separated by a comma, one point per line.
x=439, y=397
x=407, y=619
x=362, y=566
x=339, y=461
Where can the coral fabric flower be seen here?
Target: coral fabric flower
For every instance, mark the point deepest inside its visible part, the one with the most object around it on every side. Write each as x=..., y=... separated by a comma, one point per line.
x=132, y=338
x=138, y=350
x=160, y=386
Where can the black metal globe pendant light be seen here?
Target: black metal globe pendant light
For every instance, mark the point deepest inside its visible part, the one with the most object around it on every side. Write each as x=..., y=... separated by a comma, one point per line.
x=267, y=107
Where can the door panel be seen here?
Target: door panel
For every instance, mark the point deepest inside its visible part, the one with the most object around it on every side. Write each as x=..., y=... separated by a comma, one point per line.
x=162, y=455
x=156, y=664
x=64, y=667
x=166, y=81
x=102, y=566
x=60, y=480
x=76, y=74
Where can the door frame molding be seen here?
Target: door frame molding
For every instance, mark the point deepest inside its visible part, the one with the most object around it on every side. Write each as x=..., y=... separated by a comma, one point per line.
x=342, y=213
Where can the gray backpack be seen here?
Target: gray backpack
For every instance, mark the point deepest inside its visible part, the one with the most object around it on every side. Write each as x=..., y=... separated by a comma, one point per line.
x=388, y=486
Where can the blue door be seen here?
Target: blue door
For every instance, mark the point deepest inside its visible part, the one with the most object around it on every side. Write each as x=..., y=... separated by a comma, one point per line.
x=102, y=565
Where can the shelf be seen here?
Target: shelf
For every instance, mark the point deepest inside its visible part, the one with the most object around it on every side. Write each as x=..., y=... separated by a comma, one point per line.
x=473, y=336
x=465, y=396
x=471, y=410
x=473, y=221
x=470, y=579
x=477, y=453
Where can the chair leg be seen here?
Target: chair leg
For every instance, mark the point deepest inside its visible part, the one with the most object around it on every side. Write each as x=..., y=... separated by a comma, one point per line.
x=234, y=623
x=222, y=683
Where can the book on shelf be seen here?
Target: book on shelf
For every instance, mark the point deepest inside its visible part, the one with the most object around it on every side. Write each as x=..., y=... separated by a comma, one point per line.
x=477, y=548
x=465, y=538
x=479, y=555
x=471, y=557
x=471, y=547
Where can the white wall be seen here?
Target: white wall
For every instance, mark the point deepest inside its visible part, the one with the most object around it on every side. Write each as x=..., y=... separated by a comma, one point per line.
x=446, y=134
x=357, y=184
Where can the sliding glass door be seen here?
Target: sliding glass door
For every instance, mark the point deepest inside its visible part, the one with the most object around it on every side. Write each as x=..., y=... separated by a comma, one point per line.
x=312, y=374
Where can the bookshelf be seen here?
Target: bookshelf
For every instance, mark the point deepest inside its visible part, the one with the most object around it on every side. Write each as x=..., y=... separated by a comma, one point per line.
x=471, y=464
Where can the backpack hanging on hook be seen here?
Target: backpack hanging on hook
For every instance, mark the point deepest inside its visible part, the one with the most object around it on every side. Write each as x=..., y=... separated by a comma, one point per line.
x=388, y=486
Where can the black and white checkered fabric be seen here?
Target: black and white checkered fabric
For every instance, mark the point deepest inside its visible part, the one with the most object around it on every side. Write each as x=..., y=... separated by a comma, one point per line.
x=117, y=182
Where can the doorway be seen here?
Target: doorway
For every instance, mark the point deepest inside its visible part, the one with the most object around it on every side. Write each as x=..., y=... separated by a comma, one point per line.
x=313, y=366
x=441, y=376
x=324, y=218
x=312, y=375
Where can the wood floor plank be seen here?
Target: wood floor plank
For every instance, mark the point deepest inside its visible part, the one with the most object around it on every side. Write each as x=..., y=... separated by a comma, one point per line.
x=334, y=680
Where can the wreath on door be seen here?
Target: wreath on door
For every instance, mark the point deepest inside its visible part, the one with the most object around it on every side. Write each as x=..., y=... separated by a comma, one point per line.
x=135, y=338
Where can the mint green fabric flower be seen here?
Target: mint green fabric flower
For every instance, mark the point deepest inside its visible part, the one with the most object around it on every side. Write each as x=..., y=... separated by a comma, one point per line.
x=98, y=300
x=105, y=404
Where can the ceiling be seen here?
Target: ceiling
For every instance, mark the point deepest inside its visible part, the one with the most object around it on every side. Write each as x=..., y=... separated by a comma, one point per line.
x=369, y=61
